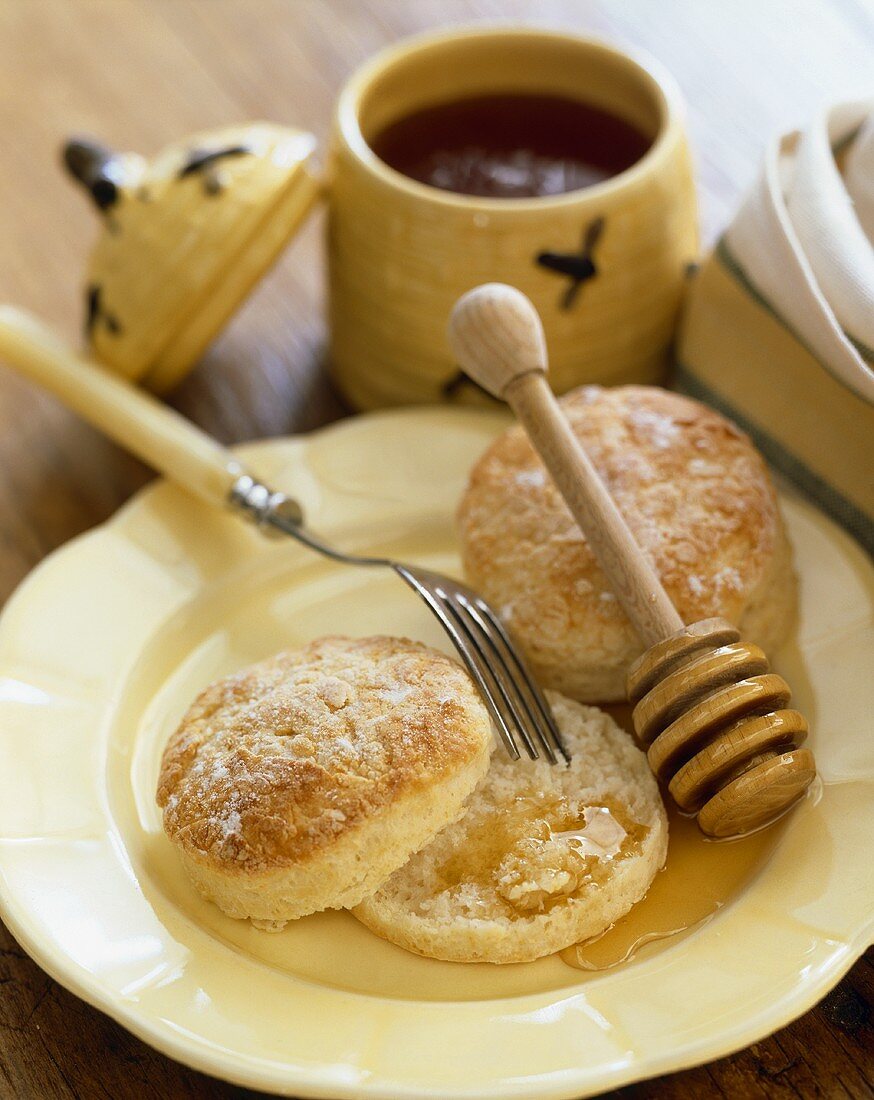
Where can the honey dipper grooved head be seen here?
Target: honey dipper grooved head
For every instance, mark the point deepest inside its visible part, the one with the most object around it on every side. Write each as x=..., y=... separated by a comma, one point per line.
x=758, y=796
x=714, y=718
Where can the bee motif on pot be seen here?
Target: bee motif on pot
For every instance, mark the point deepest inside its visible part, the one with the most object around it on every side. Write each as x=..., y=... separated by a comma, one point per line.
x=579, y=267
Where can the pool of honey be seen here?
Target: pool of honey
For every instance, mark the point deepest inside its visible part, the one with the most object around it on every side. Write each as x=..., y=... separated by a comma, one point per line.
x=700, y=876
x=509, y=146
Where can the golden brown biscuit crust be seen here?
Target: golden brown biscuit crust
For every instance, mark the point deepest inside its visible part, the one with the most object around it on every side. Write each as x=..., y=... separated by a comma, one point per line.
x=691, y=486
x=271, y=765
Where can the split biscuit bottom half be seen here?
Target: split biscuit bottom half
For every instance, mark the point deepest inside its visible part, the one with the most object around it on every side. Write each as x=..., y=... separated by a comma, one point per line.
x=544, y=857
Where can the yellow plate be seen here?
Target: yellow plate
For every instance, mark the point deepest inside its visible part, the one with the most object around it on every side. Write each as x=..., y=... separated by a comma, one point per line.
x=106, y=643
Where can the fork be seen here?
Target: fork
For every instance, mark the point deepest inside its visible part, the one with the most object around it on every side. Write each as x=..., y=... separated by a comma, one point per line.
x=175, y=447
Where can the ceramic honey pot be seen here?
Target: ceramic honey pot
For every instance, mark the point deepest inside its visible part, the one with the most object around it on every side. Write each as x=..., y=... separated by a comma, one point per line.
x=401, y=252
x=712, y=716
x=187, y=235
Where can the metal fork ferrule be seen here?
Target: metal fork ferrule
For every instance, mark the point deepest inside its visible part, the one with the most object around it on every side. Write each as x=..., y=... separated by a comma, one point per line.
x=263, y=506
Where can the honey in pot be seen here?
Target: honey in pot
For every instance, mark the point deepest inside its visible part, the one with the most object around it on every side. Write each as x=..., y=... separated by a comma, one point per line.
x=510, y=146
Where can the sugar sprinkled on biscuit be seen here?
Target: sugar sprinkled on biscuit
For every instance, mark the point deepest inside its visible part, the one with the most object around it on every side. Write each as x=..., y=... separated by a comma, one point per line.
x=302, y=782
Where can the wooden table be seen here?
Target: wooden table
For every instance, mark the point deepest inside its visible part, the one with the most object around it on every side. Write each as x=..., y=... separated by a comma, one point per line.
x=139, y=73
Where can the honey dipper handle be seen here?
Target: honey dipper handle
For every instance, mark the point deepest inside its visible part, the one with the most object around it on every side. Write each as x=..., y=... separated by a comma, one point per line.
x=152, y=431
x=498, y=340
x=632, y=578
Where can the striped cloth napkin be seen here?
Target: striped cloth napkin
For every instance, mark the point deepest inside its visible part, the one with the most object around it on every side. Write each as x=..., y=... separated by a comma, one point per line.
x=778, y=326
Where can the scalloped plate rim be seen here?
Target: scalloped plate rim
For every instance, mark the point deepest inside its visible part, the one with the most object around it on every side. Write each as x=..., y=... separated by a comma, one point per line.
x=197, y=1053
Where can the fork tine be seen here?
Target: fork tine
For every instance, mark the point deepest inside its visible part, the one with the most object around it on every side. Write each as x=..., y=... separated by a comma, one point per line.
x=505, y=657
x=485, y=678
x=484, y=645
x=532, y=736
x=467, y=655
x=496, y=665
x=524, y=674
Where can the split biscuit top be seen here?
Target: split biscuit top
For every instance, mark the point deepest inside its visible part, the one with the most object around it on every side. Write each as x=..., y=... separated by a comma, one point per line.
x=698, y=498
x=546, y=856
x=302, y=782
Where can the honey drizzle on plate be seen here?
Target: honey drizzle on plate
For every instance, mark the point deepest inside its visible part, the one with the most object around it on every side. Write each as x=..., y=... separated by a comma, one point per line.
x=700, y=876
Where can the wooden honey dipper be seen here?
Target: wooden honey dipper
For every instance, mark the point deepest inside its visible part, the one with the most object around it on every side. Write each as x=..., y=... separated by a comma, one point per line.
x=711, y=715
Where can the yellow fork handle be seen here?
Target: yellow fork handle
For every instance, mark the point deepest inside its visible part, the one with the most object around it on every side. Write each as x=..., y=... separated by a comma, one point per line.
x=132, y=418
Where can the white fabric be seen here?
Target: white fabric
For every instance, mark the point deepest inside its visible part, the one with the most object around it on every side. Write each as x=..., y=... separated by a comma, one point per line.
x=859, y=176
x=800, y=242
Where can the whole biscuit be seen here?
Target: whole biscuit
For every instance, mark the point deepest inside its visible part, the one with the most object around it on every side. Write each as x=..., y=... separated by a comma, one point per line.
x=698, y=498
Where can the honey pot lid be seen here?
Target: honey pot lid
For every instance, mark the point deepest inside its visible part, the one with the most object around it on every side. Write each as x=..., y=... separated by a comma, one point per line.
x=186, y=236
